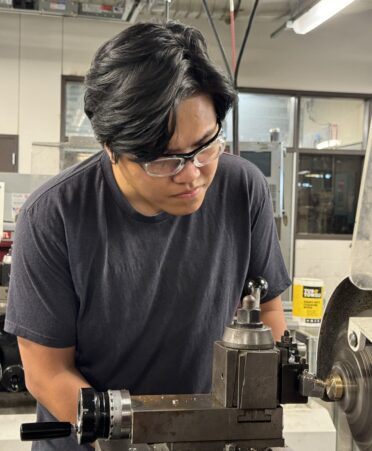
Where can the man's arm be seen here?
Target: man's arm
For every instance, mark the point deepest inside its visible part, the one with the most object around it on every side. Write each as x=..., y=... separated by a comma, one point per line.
x=272, y=315
x=51, y=377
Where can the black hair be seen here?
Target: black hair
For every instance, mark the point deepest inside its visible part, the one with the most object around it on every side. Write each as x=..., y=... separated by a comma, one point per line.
x=137, y=80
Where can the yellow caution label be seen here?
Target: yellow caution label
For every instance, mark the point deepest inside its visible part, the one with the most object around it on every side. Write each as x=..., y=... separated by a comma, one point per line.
x=307, y=301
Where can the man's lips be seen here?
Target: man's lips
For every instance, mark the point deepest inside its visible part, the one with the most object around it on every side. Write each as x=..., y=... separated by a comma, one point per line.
x=189, y=193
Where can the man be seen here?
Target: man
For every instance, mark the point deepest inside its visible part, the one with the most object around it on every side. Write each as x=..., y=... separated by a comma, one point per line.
x=127, y=267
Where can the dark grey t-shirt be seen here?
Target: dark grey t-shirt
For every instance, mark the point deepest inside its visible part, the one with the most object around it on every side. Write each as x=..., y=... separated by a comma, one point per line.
x=141, y=298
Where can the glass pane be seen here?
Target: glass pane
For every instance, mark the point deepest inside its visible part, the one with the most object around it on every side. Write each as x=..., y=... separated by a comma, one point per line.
x=259, y=113
x=328, y=189
x=331, y=123
x=76, y=121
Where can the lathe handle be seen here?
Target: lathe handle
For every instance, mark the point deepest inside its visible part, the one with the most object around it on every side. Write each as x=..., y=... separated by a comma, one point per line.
x=256, y=286
x=47, y=430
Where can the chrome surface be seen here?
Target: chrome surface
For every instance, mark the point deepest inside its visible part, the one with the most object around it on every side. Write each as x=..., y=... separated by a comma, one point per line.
x=310, y=385
x=121, y=414
x=248, y=338
x=360, y=333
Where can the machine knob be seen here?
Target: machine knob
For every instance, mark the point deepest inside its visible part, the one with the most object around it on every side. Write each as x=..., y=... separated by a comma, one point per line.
x=256, y=286
x=13, y=379
x=43, y=431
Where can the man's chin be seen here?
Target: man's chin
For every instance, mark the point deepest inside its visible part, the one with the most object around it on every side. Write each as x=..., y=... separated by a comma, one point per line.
x=184, y=209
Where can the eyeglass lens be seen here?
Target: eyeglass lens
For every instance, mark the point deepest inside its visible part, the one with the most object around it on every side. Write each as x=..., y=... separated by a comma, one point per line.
x=169, y=166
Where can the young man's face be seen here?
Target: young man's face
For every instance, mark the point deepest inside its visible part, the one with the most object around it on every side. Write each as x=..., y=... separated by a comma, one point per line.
x=183, y=193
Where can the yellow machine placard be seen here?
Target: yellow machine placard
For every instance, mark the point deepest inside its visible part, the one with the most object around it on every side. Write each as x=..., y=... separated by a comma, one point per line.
x=307, y=301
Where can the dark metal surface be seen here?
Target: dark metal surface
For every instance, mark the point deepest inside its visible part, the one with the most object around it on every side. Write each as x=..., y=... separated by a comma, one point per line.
x=121, y=445
x=260, y=389
x=224, y=374
x=124, y=445
x=200, y=418
x=246, y=379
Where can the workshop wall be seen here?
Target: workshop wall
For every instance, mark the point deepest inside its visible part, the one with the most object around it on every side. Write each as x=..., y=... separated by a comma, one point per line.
x=36, y=50
x=9, y=74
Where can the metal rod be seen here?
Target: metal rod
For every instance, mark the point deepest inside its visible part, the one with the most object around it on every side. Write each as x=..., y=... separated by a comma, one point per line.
x=167, y=9
x=206, y=8
x=279, y=30
x=232, y=30
x=247, y=31
x=236, y=106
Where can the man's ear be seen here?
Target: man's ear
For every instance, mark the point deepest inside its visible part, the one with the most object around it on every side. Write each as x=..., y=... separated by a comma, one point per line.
x=109, y=153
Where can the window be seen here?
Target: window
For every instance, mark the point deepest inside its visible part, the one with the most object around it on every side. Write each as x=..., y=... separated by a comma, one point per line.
x=328, y=182
x=74, y=120
x=330, y=123
x=328, y=187
x=259, y=113
x=77, y=136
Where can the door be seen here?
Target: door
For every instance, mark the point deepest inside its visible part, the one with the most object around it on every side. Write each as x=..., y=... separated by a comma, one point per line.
x=8, y=153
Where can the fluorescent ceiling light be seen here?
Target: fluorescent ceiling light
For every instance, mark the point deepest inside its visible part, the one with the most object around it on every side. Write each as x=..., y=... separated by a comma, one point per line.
x=319, y=13
x=331, y=143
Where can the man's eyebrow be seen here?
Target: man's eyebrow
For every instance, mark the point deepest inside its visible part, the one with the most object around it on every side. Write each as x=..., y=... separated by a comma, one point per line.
x=207, y=135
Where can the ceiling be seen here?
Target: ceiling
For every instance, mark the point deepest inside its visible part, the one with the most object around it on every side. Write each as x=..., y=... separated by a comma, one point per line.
x=268, y=10
x=134, y=10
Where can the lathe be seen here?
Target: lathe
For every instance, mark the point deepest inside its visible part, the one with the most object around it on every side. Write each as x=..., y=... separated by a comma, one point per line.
x=252, y=377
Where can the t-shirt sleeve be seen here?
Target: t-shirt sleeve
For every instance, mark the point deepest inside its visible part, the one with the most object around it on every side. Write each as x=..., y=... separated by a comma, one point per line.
x=42, y=304
x=266, y=258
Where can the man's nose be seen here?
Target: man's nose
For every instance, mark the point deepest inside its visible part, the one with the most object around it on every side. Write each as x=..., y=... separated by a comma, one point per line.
x=188, y=174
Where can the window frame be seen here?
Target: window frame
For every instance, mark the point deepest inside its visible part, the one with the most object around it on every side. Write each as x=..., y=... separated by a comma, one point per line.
x=272, y=93
x=66, y=79
x=297, y=151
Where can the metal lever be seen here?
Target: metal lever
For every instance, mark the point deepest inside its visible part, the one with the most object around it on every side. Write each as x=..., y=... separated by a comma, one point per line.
x=257, y=288
x=249, y=314
x=48, y=430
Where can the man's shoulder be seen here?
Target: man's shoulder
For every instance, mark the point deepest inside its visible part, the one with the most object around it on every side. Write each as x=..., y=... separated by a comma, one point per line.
x=240, y=172
x=68, y=183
